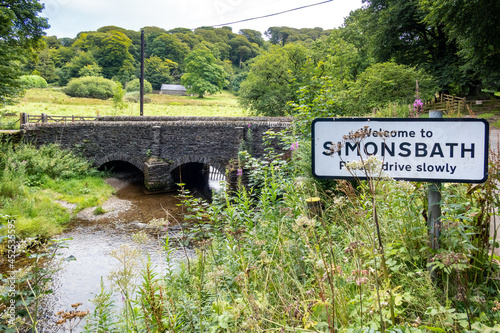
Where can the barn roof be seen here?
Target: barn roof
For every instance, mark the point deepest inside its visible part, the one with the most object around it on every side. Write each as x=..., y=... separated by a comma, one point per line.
x=174, y=87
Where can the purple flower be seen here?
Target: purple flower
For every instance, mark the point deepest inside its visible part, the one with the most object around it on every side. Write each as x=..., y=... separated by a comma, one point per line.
x=248, y=125
x=295, y=145
x=240, y=172
x=418, y=104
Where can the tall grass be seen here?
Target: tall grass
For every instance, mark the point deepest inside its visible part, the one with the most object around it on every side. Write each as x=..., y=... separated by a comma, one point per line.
x=32, y=179
x=267, y=263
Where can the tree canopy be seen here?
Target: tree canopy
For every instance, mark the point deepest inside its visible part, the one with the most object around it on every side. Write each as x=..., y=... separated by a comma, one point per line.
x=453, y=44
x=21, y=31
x=203, y=74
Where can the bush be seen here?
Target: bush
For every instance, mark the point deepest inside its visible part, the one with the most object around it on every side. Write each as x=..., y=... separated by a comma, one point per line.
x=33, y=81
x=135, y=97
x=385, y=83
x=91, y=87
x=135, y=85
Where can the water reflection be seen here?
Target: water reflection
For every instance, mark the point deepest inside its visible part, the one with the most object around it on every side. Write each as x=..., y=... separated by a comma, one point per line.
x=94, y=238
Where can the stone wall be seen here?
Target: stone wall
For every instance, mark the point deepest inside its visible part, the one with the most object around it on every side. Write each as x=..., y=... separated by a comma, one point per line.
x=157, y=145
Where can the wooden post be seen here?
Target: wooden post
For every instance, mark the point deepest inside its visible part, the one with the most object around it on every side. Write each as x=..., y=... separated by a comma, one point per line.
x=314, y=207
x=44, y=118
x=23, y=119
x=434, y=204
x=141, y=81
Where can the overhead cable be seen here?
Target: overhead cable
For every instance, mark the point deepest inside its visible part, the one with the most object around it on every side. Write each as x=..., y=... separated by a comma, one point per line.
x=269, y=15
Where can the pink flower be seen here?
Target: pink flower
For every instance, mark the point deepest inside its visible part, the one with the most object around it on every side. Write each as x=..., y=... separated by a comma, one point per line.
x=418, y=104
x=295, y=145
x=240, y=172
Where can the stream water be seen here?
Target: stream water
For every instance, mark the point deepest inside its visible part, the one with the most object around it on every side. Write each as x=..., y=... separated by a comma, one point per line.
x=93, y=238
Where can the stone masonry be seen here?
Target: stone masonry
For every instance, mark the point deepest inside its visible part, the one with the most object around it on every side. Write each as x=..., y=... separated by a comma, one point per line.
x=158, y=145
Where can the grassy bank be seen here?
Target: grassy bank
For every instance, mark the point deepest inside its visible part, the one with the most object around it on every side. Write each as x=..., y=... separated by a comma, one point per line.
x=55, y=102
x=33, y=180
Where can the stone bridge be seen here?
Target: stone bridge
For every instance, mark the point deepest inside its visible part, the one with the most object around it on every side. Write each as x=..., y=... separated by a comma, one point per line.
x=167, y=150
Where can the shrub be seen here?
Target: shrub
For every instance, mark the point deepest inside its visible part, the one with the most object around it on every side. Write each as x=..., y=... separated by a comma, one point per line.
x=135, y=97
x=135, y=85
x=385, y=83
x=91, y=87
x=33, y=81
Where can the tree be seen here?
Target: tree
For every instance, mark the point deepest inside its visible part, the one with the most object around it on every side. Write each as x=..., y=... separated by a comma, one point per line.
x=74, y=67
x=203, y=74
x=399, y=33
x=114, y=56
x=21, y=31
x=253, y=36
x=384, y=83
x=158, y=71
x=473, y=25
x=266, y=89
x=167, y=46
x=279, y=35
x=46, y=67
x=242, y=50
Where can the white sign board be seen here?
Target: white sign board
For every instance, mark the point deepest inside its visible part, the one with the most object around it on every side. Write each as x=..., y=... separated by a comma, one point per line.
x=435, y=150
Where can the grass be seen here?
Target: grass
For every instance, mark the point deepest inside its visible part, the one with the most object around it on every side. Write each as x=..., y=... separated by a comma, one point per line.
x=34, y=181
x=54, y=102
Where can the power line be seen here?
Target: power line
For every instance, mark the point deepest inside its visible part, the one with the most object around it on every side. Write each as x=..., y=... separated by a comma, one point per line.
x=269, y=15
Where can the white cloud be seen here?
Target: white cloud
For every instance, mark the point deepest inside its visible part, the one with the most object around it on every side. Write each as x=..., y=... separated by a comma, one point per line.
x=68, y=17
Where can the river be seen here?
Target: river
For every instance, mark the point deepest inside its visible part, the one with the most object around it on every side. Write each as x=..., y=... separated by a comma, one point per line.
x=92, y=239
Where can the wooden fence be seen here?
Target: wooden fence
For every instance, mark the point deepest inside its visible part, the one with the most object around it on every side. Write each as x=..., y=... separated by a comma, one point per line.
x=452, y=105
x=26, y=118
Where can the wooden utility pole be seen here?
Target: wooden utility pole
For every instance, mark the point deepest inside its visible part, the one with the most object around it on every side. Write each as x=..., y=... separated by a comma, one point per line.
x=142, y=74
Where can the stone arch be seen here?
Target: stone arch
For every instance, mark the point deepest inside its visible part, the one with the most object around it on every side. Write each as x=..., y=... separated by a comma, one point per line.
x=120, y=157
x=219, y=165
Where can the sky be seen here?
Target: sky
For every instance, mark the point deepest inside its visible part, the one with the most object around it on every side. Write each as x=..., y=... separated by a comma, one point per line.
x=68, y=17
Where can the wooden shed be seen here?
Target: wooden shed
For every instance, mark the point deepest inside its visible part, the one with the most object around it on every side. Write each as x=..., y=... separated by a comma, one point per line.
x=173, y=89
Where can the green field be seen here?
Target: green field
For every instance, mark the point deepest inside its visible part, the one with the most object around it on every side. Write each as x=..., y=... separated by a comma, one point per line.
x=56, y=103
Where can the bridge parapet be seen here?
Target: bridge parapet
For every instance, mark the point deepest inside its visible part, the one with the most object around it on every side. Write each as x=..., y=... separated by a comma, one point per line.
x=158, y=145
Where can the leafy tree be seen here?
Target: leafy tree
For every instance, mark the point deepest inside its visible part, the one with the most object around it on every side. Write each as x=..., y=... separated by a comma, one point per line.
x=383, y=83
x=159, y=71
x=114, y=56
x=355, y=31
x=253, y=36
x=189, y=38
x=21, y=31
x=46, y=67
x=266, y=89
x=74, y=67
x=203, y=74
x=399, y=33
x=242, y=50
x=473, y=25
x=279, y=35
x=334, y=57
x=167, y=46
x=61, y=55
x=111, y=50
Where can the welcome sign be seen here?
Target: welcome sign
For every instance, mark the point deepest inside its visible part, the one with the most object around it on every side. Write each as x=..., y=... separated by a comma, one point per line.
x=436, y=149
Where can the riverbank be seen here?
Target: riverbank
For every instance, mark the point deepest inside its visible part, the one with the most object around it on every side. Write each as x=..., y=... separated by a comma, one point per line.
x=97, y=242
